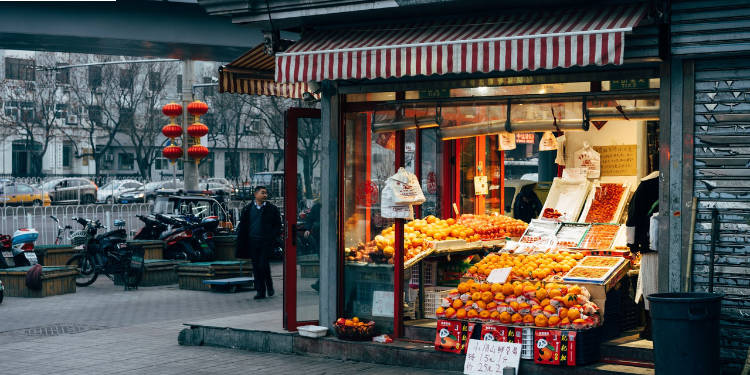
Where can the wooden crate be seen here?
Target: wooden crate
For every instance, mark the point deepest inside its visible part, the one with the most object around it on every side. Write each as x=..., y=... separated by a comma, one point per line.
x=54, y=255
x=226, y=246
x=55, y=280
x=152, y=249
x=157, y=272
x=191, y=275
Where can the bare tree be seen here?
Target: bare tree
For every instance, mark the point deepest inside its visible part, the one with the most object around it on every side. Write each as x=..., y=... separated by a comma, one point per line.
x=31, y=113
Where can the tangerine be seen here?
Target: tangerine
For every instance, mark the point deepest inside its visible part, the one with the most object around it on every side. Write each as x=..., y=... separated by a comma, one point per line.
x=472, y=314
x=461, y=314
x=505, y=317
x=540, y=320
x=457, y=304
x=573, y=314
x=484, y=314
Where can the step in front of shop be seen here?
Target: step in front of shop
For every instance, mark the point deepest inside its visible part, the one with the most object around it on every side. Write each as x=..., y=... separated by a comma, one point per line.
x=399, y=353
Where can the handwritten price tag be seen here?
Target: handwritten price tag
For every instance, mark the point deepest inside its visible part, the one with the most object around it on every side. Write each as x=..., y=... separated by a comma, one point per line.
x=499, y=275
x=491, y=357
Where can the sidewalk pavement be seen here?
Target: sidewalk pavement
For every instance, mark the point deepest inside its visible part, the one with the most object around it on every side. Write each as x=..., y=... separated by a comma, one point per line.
x=152, y=349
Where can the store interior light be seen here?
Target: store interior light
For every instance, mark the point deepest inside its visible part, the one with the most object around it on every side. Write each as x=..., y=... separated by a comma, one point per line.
x=481, y=91
x=405, y=124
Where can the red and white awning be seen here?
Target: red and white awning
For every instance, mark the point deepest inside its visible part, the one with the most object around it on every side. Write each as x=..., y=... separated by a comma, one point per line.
x=252, y=74
x=514, y=41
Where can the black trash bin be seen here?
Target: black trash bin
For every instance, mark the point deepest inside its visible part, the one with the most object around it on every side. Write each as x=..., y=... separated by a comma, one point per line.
x=686, y=332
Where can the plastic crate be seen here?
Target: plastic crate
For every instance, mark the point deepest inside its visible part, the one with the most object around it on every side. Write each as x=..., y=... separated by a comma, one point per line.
x=429, y=277
x=527, y=343
x=432, y=297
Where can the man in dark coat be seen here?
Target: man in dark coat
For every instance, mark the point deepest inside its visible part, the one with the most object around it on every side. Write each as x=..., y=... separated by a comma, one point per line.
x=258, y=234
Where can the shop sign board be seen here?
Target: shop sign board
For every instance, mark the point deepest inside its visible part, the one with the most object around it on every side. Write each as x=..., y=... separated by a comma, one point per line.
x=434, y=93
x=618, y=160
x=491, y=357
x=626, y=84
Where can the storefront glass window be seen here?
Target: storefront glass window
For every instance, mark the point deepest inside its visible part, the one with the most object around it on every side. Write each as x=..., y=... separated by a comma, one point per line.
x=432, y=171
x=368, y=269
x=467, y=171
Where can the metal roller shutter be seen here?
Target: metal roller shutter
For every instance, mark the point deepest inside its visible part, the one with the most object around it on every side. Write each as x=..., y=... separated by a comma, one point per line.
x=722, y=181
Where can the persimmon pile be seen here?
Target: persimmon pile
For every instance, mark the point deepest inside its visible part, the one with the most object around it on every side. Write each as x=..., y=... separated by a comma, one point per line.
x=493, y=227
x=606, y=200
x=522, y=303
x=525, y=267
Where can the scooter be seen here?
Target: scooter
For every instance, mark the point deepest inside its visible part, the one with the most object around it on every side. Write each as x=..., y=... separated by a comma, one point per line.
x=23, y=247
x=152, y=228
x=6, y=252
x=188, y=240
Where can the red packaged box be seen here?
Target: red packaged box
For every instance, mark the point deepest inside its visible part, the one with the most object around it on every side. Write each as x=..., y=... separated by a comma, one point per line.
x=451, y=336
x=502, y=333
x=554, y=347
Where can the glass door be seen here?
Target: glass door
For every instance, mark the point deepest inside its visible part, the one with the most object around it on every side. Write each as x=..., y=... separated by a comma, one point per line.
x=302, y=217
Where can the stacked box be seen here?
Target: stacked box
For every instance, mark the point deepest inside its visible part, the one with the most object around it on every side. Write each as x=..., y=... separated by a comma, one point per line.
x=55, y=280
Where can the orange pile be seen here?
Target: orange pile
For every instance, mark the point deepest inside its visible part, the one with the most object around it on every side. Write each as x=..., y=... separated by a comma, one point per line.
x=542, y=305
x=526, y=267
x=493, y=227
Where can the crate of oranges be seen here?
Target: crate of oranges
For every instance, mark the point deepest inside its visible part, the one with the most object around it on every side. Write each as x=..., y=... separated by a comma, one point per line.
x=518, y=303
x=354, y=329
x=526, y=267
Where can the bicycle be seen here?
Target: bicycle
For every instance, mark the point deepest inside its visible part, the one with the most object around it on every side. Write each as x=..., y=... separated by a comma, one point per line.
x=60, y=230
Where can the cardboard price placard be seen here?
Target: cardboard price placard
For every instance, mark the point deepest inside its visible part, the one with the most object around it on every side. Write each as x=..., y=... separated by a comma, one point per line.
x=451, y=336
x=620, y=160
x=491, y=357
x=502, y=333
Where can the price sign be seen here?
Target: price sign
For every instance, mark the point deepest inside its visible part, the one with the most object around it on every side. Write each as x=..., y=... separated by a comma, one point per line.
x=491, y=357
x=499, y=275
x=382, y=303
x=619, y=160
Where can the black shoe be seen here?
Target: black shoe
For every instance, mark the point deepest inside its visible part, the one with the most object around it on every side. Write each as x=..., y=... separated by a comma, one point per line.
x=259, y=297
x=270, y=293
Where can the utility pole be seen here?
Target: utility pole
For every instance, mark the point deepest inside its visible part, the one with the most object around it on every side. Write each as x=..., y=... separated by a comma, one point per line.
x=190, y=169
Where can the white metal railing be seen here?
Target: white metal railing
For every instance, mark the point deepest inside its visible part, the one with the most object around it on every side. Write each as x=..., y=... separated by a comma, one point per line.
x=13, y=218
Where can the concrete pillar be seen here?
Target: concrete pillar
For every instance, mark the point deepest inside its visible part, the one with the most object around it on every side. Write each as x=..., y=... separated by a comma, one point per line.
x=190, y=168
x=330, y=174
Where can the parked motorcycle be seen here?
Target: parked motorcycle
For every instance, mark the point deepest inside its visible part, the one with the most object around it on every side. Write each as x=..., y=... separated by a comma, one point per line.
x=6, y=250
x=152, y=228
x=23, y=247
x=190, y=238
x=106, y=253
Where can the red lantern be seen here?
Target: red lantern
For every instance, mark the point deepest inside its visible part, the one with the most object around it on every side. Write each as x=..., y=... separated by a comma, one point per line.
x=197, y=130
x=198, y=152
x=172, y=130
x=197, y=108
x=171, y=110
x=172, y=152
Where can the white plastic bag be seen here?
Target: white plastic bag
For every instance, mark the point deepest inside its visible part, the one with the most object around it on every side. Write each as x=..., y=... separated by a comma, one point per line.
x=391, y=210
x=589, y=159
x=405, y=187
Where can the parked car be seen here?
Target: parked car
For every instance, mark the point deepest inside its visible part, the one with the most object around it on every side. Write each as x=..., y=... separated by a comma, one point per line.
x=223, y=181
x=216, y=188
x=110, y=193
x=148, y=193
x=18, y=194
x=71, y=190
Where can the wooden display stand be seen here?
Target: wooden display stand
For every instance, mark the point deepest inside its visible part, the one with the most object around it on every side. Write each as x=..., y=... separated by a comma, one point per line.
x=55, y=280
x=190, y=276
x=152, y=249
x=54, y=255
x=157, y=272
x=226, y=246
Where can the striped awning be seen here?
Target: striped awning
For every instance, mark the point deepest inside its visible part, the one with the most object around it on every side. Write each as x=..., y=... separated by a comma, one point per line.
x=253, y=74
x=538, y=39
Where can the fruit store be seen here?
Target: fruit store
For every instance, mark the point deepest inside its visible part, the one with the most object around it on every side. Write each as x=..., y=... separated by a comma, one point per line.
x=527, y=182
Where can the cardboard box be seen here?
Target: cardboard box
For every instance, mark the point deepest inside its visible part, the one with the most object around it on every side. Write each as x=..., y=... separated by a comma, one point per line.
x=502, y=333
x=451, y=336
x=555, y=347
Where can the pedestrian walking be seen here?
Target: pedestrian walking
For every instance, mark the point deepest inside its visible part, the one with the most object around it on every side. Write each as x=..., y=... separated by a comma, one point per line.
x=258, y=234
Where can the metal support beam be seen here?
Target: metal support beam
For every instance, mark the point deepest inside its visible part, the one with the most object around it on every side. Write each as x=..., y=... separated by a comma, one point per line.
x=190, y=167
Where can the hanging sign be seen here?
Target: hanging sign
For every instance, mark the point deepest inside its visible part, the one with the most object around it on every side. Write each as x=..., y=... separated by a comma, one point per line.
x=506, y=141
x=480, y=185
x=527, y=138
x=626, y=84
x=619, y=160
x=491, y=357
x=382, y=303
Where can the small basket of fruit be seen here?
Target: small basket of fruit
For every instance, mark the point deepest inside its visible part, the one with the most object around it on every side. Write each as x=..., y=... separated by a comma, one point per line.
x=353, y=329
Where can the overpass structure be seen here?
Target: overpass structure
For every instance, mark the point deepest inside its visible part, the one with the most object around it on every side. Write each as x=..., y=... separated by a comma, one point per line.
x=174, y=29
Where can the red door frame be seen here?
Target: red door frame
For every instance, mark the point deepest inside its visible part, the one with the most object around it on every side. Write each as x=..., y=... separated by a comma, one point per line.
x=290, y=215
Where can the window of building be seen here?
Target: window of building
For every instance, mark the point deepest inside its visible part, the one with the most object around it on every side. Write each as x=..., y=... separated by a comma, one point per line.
x=67, y=154
x=257, y=162
x=208, y=90
x=154, y=81
x=127, y=76
x=95, y=114
x=125, y=161
x=126, y=119
x=27, y=112
x=61, y=110
x=62, y=76
x=21, y=69
x=232, y=165
x=179, y=84
x=95, y=76
x=11, y=109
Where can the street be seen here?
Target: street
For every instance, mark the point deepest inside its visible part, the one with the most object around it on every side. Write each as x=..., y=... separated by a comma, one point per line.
x=103, y=329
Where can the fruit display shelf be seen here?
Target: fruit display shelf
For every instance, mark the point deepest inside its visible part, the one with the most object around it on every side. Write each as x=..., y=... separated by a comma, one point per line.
x=605, y=203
